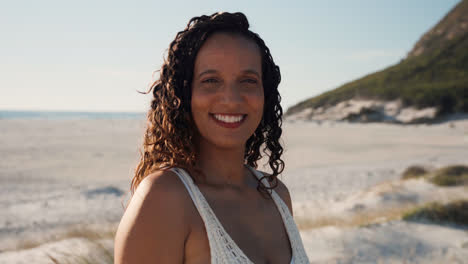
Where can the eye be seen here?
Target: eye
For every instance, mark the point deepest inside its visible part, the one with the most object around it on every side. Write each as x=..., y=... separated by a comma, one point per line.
x=210, y=80
x=252, y=81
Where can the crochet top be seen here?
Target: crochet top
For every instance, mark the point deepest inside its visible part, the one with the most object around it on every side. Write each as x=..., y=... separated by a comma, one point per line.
x=223, y=249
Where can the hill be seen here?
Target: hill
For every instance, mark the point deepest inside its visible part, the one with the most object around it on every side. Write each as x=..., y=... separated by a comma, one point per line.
x=432, y=81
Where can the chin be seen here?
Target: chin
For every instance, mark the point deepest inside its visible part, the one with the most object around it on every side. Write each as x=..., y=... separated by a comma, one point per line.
x=229, y=144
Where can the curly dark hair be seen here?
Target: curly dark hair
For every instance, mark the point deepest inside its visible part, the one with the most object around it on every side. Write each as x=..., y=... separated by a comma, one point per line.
x=170, y=127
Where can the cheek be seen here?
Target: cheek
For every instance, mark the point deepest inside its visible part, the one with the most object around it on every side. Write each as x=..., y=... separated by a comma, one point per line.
x=258, y=101
x=260, y=105
x=197, y=101
x=199, y=106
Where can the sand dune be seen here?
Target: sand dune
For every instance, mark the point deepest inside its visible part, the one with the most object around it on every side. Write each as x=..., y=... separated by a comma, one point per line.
x=392, y=242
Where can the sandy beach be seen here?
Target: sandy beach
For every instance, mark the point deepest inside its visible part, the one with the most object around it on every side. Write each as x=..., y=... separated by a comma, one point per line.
x=60, y=179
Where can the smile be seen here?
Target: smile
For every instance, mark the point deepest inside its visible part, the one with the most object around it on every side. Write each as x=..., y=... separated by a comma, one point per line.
x=229, y=120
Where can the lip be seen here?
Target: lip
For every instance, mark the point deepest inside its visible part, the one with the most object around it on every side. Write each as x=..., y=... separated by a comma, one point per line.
x=228, y=125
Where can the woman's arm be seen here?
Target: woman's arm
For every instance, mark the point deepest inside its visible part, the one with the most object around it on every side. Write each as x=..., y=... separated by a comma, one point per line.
x=154, y=226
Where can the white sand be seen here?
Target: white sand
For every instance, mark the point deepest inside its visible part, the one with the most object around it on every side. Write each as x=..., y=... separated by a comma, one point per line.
x=57, y=174
x=54, y=174
x=392, y=242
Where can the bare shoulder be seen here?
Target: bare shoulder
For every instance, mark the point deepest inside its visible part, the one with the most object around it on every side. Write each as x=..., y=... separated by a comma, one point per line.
x=283, y=192
x=161, y=183
x=154, y=226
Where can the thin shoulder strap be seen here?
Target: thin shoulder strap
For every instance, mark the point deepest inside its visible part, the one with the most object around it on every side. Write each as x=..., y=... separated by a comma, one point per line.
x=259, y=176
x=186, y=180
x=195, y=194
x=299, y=255
x=193, y=191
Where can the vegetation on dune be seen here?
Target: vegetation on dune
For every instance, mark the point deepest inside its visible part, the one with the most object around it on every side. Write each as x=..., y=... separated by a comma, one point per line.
x=452, y=213
x=455, y=175
x=452, y=175
x=78, y=231
x=98, y=242
x=438, y=77
x=362, y=219
x=106, y=256
x=414, y=172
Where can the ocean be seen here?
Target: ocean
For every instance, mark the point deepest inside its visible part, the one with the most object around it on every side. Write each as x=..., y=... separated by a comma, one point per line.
x=67, y=115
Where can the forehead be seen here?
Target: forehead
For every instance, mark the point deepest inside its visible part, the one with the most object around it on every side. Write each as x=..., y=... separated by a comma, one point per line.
x=228, y=51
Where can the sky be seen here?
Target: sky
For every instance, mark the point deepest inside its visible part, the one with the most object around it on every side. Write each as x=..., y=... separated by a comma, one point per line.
x=92, y=55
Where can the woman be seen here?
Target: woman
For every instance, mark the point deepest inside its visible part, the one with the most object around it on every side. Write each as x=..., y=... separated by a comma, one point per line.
x=196, y=195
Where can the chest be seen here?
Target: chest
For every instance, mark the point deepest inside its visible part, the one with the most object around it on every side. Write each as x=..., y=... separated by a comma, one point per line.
x=253, y=223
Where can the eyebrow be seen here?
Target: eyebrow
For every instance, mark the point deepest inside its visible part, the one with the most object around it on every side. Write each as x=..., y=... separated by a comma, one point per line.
x=206, y=72
x=244, y=71
x=254, y=72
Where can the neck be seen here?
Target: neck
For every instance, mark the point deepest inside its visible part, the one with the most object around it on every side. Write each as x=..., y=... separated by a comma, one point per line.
x=224, y=167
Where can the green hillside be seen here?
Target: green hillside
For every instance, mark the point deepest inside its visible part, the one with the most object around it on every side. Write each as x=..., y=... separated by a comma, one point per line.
x=435, y=73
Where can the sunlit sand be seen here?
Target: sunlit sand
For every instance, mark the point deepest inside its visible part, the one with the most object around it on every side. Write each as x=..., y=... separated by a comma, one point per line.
x=65, y=179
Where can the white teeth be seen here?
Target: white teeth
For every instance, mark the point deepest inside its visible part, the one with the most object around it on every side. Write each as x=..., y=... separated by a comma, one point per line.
x=229, y=118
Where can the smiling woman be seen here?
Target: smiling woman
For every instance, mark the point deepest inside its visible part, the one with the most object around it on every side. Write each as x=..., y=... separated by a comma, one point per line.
x=228, y=90
x=196, y=197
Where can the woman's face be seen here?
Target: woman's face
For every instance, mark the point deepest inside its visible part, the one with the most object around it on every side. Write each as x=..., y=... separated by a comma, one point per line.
x=227, y=90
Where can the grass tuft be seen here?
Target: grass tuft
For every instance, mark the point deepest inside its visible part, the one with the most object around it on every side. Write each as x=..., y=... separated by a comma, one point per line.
x=78, y=231
x=361, y=219
x=414, y=172
x=106, y=256
x=455, y=175
x=452, y=213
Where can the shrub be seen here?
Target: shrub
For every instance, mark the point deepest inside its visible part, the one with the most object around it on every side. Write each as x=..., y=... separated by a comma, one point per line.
x=414, y=172
x=452, y=213
x=455, y=175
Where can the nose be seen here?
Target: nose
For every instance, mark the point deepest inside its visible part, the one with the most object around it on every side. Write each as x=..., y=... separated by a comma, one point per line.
x=231, y=95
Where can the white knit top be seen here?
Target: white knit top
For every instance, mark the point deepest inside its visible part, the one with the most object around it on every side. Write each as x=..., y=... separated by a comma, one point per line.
x=223, y=249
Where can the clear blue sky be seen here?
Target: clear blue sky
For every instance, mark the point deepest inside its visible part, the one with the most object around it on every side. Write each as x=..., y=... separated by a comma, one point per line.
x=93, y=55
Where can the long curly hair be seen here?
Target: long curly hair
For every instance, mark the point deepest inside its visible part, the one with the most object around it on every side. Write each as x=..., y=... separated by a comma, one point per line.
x=168, y=140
